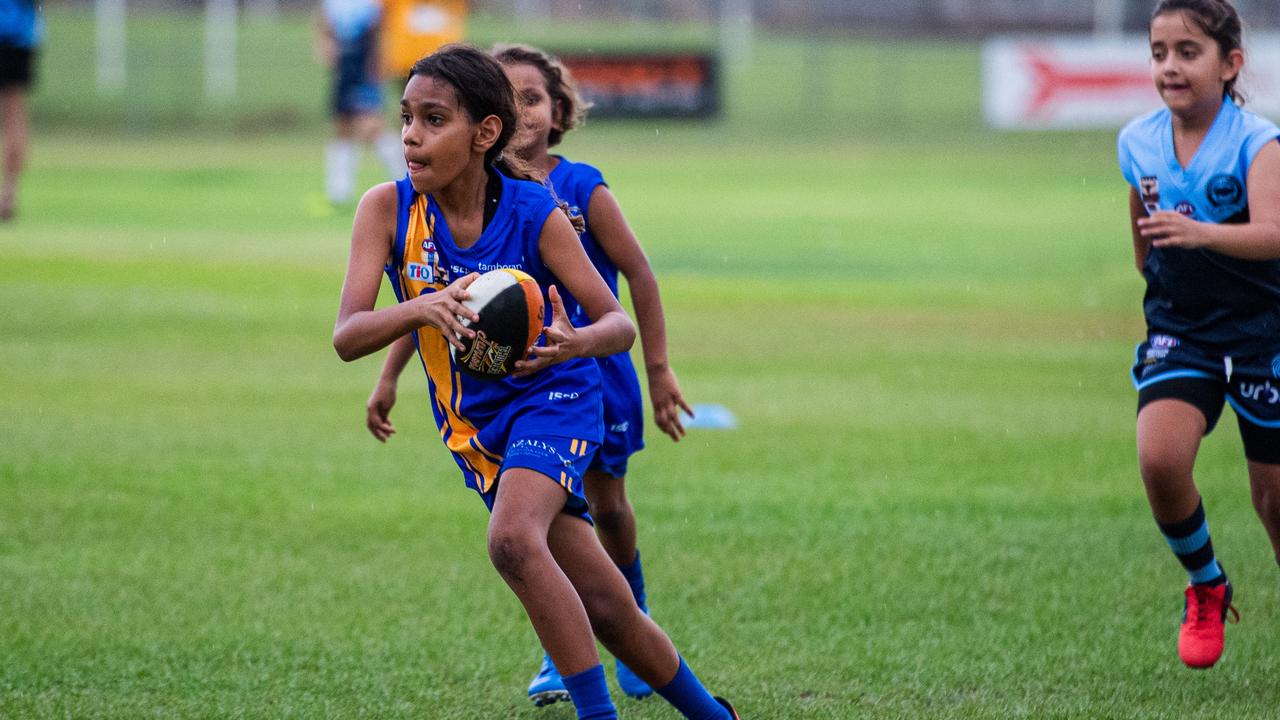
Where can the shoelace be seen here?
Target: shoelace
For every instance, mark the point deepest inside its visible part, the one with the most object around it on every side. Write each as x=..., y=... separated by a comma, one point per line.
x=1202, y=595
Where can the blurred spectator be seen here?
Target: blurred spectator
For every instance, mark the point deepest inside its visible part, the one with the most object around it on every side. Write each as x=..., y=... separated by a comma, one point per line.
x=20, y=35
x=348, y=39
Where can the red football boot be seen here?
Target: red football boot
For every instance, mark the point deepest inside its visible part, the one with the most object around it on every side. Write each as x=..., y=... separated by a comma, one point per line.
x=1203, y=618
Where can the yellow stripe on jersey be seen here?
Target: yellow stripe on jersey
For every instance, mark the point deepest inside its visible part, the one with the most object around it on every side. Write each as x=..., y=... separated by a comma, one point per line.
x=573, y=448
x=420, y=269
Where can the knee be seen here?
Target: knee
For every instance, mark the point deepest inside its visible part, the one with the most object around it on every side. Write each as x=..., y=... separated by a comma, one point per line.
x=610, y=516
x=609, y=506
x=509, y=553
x=1158, y=468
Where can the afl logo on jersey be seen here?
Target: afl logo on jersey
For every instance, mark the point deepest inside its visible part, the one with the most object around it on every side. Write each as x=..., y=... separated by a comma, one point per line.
x=1185, y=208
x=1224, y=191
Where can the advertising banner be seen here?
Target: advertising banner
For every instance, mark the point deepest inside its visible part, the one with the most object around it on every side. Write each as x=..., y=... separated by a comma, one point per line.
x=1037, y=83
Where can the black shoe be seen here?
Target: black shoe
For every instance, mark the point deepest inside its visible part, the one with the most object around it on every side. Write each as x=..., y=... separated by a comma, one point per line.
x=725, y=704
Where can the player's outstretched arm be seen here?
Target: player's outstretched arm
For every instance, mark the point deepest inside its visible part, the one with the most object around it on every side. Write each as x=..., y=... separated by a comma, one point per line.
x=360, y=329
x=1258, y=239
x=610, y=331
x=616, y=238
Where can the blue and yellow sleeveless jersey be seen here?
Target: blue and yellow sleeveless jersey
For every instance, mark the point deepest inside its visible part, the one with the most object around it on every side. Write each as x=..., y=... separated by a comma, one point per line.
x=478, y=419
x=573, y=183
x=1223, y=304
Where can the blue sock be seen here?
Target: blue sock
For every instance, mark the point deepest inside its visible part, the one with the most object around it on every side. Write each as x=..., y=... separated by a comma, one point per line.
x=686, y=693
x=1190, y=542
x=590, y=694
x=635, y=578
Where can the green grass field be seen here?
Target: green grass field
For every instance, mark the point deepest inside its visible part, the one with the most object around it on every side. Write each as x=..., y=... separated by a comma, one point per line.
x=931, y=508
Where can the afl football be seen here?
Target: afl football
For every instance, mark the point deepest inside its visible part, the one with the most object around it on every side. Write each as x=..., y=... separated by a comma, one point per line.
x=509, y=303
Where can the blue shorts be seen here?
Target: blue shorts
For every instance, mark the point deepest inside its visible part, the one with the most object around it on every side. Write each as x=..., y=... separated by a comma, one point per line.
x=1168, y=368
x=623, y=415
x=355, y=91
x=564, y=460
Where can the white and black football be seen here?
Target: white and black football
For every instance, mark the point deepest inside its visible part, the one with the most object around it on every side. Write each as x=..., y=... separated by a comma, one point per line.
x=509, y=303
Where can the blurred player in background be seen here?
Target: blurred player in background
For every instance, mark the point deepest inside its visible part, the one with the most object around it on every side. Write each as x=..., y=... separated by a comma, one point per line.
x=550, y=106
x=348, y=41
x=523, y=443
x=20, y=35
x=1205, y=209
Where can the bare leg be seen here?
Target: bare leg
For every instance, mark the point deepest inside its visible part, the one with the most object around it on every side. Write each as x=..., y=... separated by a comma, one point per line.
x=13, y=116
x=526, y=505
x=1169, y=433
x=614, y=516
x=366, y=127
x=344, y=127
x=615, y=618
x=1264, y=484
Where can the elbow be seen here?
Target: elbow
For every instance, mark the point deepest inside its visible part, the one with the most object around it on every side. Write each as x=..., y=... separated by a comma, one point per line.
x=344, y=348
x=629, y=336
x=345, y=354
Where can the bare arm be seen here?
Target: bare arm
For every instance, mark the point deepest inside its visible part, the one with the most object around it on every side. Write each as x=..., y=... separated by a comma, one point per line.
x=610, y=331
x=1258, y=239
x=616, y=238
x=378, y=408
x=360, y=329
x=323, y=45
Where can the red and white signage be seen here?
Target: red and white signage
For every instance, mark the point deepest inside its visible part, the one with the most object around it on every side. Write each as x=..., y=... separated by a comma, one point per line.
x=1067, y=83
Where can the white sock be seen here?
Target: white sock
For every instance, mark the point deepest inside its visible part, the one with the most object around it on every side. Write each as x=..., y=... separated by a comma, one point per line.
x=390, y=150
x=340, y=171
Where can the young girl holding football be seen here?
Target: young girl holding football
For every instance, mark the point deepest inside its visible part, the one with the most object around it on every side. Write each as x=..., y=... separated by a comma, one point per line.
x=1205, y=209
x=550, y=107
x=522, y=443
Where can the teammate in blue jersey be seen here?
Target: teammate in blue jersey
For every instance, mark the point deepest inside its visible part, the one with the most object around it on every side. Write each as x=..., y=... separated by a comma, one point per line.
x=348, y=36
x=20, y=35
x=525, y=442
x=550, y=106
x=1205, y=207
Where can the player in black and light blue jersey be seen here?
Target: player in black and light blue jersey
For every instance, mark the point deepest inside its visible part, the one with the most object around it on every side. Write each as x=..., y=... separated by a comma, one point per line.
x=523, y=443
x=348, y=39
x=549, y=108
x=1205, y=206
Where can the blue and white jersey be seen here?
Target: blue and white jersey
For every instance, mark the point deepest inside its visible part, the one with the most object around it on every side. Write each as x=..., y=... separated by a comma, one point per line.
x=351, y=20
x=1218, y=302
x=477, y=418
x=20, y=24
